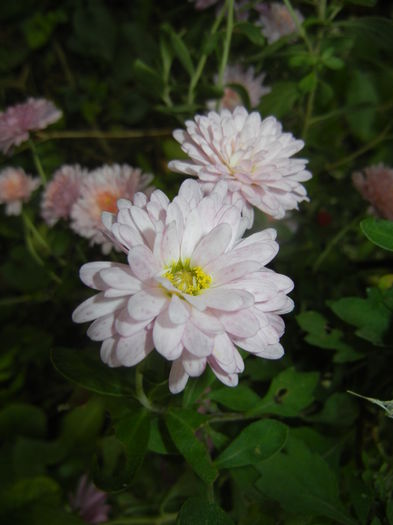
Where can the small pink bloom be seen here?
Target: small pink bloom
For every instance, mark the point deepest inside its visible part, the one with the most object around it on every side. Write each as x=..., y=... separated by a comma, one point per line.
x=89, y=502
x=375, y=183
x=99, y=192
x=15, y=188
x=252, y=84
x=277, y=21
x=18, y=120
x=252, y=155
x=61, y=193
x=193, y=288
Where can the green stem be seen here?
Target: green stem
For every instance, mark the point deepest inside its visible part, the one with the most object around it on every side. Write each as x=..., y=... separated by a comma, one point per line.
x=309, y=110
x=40, y=239
x=370, y=145
x=299, y=27
x=210, y=493
x=227, y=43
x=37, y=162
x=202, y=61
x=140, y=393
x=334, y=241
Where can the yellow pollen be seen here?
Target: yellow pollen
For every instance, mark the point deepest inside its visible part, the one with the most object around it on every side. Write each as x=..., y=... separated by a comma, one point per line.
x=187, y=279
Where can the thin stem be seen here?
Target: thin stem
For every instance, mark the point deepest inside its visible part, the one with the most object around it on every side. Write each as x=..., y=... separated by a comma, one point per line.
x=210, y=493
x=140, y=393
x=309, y=110
x=227, y=43
x=202, y=61
x=334, y=241
x=35, y=232
x=37, y=162
x=299, y=27
x=370, y=145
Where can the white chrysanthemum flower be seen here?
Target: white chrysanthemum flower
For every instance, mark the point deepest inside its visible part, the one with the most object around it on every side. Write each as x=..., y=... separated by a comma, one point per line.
x=61, y=193
x=277, y=21
x=15, y=188
x=17, y=121
x=252, y=84
x=375, y=183
x=252, y=155
x=193, y=288
x=99, y=192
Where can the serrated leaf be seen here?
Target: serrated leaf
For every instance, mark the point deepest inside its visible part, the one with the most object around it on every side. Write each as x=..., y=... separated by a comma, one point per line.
x=181, y=427
x=257, y=442
x=380, y=232
x=198, y=511
x=289, y=393
x=85, y=368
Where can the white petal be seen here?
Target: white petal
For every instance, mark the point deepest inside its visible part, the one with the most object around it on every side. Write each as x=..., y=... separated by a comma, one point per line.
x=178, y=377
x=167, y=336
x=108, y=354
x=228, y=379
x=144, y=224
x=192, y=234
x=102, y=328
x=212, y=245
x=197, y=342
x=131, y=350
x=170, y=246
x=120, y=278
x=194, y=366
x=89, y=273
x=178, y=310
x=227, y=300
x=142, y=262
x=95, y=307
x=242, y=323
x=146, y=304
x=206, y=321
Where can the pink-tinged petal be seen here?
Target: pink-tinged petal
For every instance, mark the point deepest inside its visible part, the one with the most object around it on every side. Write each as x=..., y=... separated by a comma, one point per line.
x=227, y=300
x=102, y=328
x=191, y=192
x=178, y=377
x=192, y=234
x=167, y=336
x=126, y=325
x=223, y=353
x=142, y=262
x=108, y=353
x=194, y=366
x=242, y=323
x=232, y=272
x=274, y=351
x=211, y=245
x=131, y=350
x=147, y=304
x=144, y=224
x=127, y=235
x=120, y=277
x=89, y=273
x=206, y=321
x=197, y=342
x=95, y=307
x=231, y=380
x=170, y=245
x=178, y=310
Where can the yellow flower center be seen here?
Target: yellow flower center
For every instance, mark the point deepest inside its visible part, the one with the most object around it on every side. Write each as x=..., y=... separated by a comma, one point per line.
x=187, y=279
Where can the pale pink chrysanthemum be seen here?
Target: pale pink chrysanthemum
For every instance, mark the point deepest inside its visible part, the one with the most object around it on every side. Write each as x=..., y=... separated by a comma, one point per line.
x=252, y=84
x=99, y=192
x=16, y=121
x=252, y=155
x=375, y=183
x=193, y=288
x=15, y=188
x=89, y=502
x=61, y=193
x=277, y=21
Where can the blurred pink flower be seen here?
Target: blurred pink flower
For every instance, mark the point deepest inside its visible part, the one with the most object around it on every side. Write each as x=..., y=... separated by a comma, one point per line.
x=15, y=188
x=61, y=193
x=252, y=155
x=99, y=192
x=277, y=21
x=193, y=288
x=89, y=502
x=375, y=183
x=16, y=121
x=252, y=84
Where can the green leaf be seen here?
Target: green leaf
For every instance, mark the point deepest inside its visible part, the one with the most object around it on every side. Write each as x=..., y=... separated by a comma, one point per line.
x=377, y=30
x=109, y=465
x=308, y=83
x=180, y=50
x=289, y=393
x=30, y=490
x=302, y=482
x=251, y=31
x=150, y=80
x=239, y=398
x=389, y=511
x=371, y=316
x=182, y=425
x=198, y=511
x=362, y=92
x=133, y=431
x=280, y=101
x=22, y=419
x=85, y=368
x=339, y=410
x=379, y=232
x=39, y=28
x=257, y=442
x=196, y=387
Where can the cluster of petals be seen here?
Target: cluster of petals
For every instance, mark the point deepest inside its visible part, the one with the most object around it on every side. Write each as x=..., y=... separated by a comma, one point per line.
x=89, y=502
x=15, y=188
x=231, y=299
x=17, y=121
x=61, y=193
x=252, y=155
x=99, y=192
x=277, y=21
x=253, y=85
x=375, y=183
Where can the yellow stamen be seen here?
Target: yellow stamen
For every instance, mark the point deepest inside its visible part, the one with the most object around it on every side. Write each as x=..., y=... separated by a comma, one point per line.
x=187, y=279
